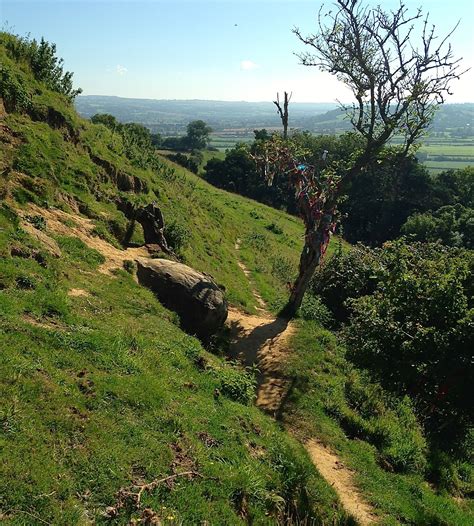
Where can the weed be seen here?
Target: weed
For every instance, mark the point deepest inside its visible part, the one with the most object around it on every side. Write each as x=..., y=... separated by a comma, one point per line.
x=37, y=221
x=273, y=227
x=283, y=268
x=129, y=265
x=177, y=235
x=237, y=384
x=313, y=308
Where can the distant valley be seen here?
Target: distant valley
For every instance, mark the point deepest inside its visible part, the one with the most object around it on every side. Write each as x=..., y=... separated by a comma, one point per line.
x=450, y=143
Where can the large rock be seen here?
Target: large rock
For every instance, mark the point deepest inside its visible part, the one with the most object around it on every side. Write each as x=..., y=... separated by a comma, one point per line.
x=196, y=297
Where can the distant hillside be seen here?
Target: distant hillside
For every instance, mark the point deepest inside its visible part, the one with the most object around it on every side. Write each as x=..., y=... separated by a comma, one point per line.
x=171, y=116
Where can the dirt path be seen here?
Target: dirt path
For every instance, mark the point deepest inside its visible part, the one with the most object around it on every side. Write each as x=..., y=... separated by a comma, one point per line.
x=341, y=479
x=261, y=340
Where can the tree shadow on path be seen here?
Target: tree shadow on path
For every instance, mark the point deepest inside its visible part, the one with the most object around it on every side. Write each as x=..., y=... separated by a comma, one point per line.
x=246, y=341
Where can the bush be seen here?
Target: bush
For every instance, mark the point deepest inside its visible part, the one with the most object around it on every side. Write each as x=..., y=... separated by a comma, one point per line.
x=414, y=333
x=273, y=227
x=177, y=235
x=189, y=163
x=313, y=308
x=42, y=59
x=129, y=266
x=450, y=225
x=14, y=93
x=37, y=221
x=283, y=269
x=257, y=241
x=452, y=474
x=345, y=276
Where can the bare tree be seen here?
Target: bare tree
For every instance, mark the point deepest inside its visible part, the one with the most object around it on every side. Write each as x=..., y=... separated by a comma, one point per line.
x=283, y=112
x=397, y=85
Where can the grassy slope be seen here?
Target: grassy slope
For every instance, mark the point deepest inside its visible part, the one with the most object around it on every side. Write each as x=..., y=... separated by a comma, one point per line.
x=322, y=372
x=104, y=390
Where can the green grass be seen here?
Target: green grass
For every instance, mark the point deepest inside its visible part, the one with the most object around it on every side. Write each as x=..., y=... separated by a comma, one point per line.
x=440, y=154
x=104, y=390
x=99, y=393
x=441, y=166
x=319, y=407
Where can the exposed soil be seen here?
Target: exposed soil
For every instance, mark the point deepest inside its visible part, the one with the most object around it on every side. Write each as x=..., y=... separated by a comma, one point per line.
x=341, y=479
x=261, y=341
x=65, y=224
x=74, y=293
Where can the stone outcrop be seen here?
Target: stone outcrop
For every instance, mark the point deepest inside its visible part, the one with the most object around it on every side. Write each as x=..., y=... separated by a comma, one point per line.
x=195, y=296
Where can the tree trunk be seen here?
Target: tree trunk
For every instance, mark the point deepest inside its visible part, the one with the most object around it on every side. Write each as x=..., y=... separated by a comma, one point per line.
x=283, y=112
x=316, y=242
x=152, y=221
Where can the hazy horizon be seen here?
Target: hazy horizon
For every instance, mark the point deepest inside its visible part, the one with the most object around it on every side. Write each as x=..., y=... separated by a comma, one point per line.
x=202, y=50
x=334, y=103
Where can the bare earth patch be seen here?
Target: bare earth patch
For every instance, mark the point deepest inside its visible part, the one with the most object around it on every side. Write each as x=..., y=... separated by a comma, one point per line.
x=261, y=341
x=43, y=323
x=82, y=227
x=74, y=293
x=341, y=479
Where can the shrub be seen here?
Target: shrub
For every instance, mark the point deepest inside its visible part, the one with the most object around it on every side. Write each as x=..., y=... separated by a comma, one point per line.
x=129, y=266
x=177, y=235
x=37, y=221
x=42, y=59
x=344, y=276
x=415, y=332
x=283, y=269
x=25, y=282
x=257, y=241
x=450, y=225
x=273, y=227
x=452, y=474
x=14, y=93
x=313, y=308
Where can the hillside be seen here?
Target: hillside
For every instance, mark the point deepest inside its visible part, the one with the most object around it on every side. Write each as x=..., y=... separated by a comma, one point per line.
x=112, y=414
x=101, y=389
x=171, y=116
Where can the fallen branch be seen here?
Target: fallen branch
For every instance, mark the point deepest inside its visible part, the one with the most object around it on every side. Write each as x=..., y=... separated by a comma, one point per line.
x=155, y=483
x=133, y=496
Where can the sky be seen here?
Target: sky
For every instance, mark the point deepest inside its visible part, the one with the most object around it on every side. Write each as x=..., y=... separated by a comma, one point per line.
x=200, y=49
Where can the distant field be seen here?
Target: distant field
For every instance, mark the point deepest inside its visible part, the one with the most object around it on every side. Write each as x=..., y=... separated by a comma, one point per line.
x=444, y=153
x=437, y=153
x=223, y=141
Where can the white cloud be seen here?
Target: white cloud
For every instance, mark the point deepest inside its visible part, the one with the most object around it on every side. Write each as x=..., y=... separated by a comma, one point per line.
x=248, y=65
x=120, y=70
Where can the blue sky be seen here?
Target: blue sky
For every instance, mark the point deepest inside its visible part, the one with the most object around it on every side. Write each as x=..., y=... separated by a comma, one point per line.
x=221, y=50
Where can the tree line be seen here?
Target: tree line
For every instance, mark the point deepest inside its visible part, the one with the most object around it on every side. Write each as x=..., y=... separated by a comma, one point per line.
x=395, y=195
